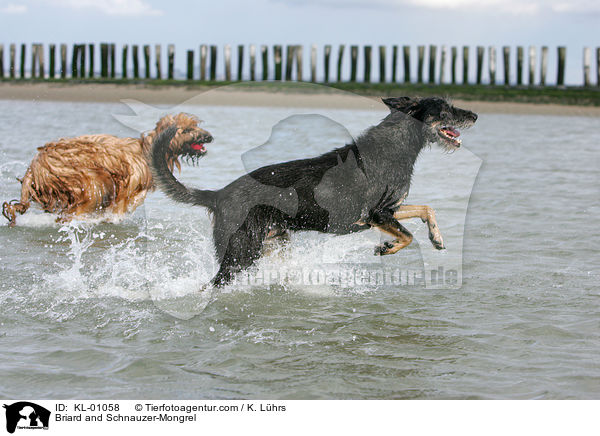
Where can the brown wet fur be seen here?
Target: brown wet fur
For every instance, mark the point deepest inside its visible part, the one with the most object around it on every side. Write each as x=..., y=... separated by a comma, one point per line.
x=97, y=174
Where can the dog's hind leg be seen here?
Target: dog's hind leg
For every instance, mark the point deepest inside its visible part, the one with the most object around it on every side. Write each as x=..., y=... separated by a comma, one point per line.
x=427, y=215
x=242, y=250
x=244, y=246
x=385, y=221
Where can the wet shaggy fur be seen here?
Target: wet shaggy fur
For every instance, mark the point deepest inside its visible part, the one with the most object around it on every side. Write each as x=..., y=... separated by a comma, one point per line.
x=92, y=175
x=358, y=186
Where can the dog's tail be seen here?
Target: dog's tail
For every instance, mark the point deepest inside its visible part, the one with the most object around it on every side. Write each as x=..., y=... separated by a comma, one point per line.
x=165, y=180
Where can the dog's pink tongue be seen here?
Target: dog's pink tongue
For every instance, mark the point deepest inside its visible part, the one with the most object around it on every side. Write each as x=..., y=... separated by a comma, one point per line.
x=452, y=132
x=197, y=146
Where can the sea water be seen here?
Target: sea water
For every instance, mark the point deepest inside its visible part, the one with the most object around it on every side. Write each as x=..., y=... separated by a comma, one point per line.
x=120, y=310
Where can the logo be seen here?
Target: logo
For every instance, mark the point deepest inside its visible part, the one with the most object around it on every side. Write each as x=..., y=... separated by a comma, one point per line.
x=26, y=415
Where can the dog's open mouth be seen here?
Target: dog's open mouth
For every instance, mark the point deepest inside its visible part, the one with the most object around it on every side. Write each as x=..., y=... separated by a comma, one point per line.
x=450, y=135
x=198, y=147
x=195, y=149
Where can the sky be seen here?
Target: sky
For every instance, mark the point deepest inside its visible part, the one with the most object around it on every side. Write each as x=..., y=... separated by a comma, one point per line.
x=187, y=24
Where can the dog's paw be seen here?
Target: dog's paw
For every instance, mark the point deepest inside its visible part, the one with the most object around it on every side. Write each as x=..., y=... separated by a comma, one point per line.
x=383, y=249
x=437, y=242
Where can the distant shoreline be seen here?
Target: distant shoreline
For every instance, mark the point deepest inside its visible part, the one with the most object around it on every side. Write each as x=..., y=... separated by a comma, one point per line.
x=275, y=94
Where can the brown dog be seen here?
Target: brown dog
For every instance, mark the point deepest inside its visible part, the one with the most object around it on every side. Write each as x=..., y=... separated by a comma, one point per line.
x=92, y=175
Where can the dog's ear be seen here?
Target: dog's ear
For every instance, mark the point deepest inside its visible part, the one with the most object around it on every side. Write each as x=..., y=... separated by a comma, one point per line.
x=402, y=104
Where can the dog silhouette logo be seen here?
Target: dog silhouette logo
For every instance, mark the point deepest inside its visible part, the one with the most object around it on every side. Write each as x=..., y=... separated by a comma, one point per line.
x=26, y=415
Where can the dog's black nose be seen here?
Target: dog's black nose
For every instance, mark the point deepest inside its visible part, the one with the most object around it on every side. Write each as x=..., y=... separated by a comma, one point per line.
x=474, y=116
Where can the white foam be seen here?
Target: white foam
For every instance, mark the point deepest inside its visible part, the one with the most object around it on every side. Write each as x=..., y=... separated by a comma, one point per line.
x=37, y=219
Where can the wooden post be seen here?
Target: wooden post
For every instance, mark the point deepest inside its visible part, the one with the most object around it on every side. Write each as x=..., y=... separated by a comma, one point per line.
x=443, y=63
x=339, y=62
x=82, y=61
x=382, y=56
x=42, y=62
x=23, y=54
x=406, y=50
x=171, y=61
x=213, y=62
x=492, y=52
x=531, y=65
x=147, y=60
x=240, y=64
x=480, y=51
x=2, y=61
x=113, y=69
x=562, y=56
x=227, y=55
x=190, y=64
x=203, y=57
x=587, y=61
x=454, y=53
x=326, y=60
x=265, y=61
x=313, y=63
x=519, y=65
x=91, y=62
x=157, y=55
x=33, y=60
x=299, y=64
x=506, y=51
x=91, y=59
x=37, y=61
x=136, y=61
x=394, y=63
x=432, y=58
x=465, y=65
x=598, y=66
x=63, y=61
x=34, y=50
x=420, y=62
x=12, y=64
x=544, y=66
x=74, y=59
x=124, y=54
x=277, y=60
x=103, y=60
x=252, y=62
x=289, y=59
x=52, y=61
x=353, y=62
x=41, y=73
x=367, y=77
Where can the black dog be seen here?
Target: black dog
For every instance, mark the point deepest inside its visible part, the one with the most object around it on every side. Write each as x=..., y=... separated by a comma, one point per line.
x=352, y=188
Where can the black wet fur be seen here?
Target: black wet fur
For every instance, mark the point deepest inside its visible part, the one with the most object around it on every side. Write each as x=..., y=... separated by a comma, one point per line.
x=345, y=190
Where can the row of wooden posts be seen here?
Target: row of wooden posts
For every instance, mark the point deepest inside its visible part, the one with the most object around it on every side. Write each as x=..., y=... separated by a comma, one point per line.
x=293, y=57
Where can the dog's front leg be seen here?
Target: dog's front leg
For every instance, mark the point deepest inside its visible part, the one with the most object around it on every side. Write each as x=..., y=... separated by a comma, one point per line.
x=427, y=215
x=11, y=208
x=385, y=221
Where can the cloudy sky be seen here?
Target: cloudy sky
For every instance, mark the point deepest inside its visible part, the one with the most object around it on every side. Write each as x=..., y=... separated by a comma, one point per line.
x=187, y=24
